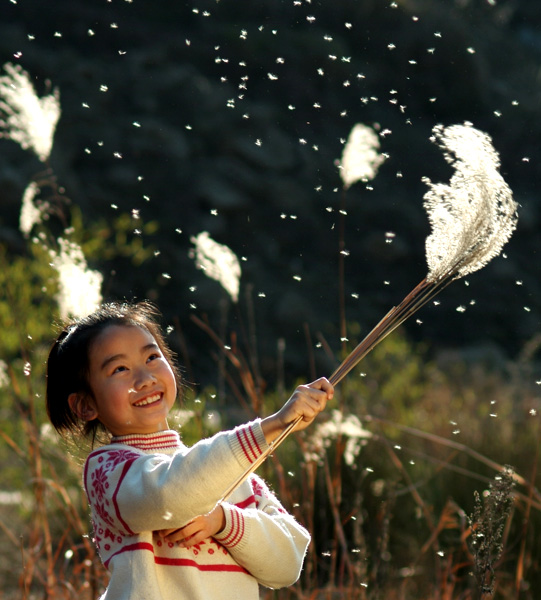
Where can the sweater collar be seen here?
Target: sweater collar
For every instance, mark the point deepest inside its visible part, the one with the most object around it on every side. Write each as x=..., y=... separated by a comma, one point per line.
x=150, y=442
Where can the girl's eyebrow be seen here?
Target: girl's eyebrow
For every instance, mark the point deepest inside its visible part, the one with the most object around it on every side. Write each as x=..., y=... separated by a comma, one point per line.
x=110, y=359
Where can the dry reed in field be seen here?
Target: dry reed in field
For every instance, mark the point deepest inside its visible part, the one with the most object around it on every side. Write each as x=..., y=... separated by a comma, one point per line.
x=471, y=218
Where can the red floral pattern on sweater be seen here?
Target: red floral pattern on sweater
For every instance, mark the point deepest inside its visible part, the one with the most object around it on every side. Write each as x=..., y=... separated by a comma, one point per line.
x=104, y=522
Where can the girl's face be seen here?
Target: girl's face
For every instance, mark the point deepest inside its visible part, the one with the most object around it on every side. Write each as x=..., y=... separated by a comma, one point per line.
x=133, y=385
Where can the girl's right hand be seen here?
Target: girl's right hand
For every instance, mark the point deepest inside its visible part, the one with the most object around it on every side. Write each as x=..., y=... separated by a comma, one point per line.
x=197, y=530
x=307, y=401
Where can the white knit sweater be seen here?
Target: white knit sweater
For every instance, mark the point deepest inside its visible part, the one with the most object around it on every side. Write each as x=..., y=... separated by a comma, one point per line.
x=140, y=484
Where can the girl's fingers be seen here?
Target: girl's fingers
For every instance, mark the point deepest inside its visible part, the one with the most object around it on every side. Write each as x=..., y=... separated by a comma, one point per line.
x=177, y=534
x=303, y=406
x=187, y=540
x=166, y=532
x=172, y=535
x=309, y=400
x=180, y=536
x=323, y=384
x=197, y=530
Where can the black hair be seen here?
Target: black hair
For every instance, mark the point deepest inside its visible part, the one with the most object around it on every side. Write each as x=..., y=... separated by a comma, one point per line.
x=68, y=362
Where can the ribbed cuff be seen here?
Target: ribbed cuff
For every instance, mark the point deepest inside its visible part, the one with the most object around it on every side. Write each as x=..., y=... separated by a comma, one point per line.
x=248, y=442
x=233, y=532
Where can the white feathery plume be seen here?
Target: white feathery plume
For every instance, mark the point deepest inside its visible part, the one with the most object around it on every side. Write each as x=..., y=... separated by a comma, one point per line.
x=30, y=213
x=360, y=158
x=79, y=287
x=24, y=118
x=474, y=215
x=338, y=425
x=218, y=262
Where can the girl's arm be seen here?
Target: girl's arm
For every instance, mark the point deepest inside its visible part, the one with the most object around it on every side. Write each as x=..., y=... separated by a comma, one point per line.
x=133, y=492
x=267, y=540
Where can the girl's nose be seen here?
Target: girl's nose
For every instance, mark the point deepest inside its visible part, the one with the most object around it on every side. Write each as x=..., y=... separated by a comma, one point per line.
x=143, y=378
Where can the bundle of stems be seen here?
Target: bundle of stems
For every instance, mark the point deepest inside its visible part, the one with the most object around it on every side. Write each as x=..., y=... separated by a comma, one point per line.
x=471, y=218
x=419, y=296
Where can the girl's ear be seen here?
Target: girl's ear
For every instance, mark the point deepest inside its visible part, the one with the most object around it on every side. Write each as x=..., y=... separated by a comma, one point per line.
x=82, y=406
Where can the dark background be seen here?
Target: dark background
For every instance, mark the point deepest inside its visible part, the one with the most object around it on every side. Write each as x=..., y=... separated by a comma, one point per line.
x=195, y=77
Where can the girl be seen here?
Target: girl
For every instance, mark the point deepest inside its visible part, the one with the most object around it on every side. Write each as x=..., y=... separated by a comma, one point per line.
x=158, y=524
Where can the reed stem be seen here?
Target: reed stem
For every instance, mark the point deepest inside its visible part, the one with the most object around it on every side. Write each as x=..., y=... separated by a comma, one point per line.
x=418, y=297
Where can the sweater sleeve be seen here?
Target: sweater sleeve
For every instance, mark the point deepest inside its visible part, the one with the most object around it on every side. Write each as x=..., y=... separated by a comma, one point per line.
x=133, y=492
x=266, y=540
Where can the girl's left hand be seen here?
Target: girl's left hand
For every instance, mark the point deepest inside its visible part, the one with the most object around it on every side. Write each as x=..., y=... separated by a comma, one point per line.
x=197, y=530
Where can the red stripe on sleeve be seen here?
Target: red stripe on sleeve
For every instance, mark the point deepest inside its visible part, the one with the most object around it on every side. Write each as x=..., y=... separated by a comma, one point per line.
x=252, y=435
x=241, y=436
x=237, y=529
x=248, y=442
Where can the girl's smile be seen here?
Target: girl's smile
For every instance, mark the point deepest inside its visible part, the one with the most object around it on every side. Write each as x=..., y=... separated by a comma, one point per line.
x=147, y=401
x=133, y=385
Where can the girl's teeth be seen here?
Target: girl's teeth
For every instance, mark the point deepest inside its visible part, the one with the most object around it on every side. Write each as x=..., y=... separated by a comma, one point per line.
x=148, y=401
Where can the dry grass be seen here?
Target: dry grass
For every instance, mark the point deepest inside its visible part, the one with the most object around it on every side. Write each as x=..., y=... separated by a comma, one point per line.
x=397, y=524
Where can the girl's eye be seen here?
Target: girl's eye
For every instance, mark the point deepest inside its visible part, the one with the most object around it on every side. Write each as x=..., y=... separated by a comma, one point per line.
x=120, y=369
x=153, y=356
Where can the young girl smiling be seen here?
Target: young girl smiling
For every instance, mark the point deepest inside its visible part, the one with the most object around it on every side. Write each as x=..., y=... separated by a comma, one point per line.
x=159, y=525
